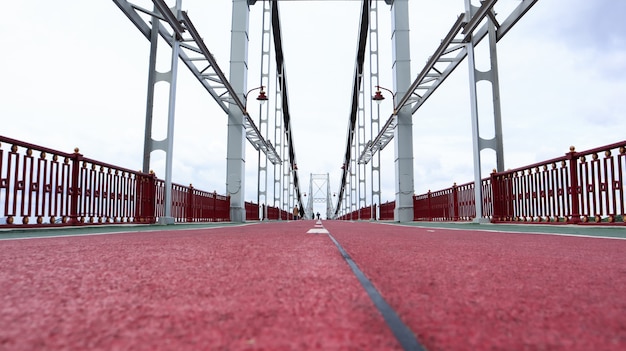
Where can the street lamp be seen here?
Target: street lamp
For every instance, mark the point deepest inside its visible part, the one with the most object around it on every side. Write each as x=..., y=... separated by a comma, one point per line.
x=379, y=97
x=261, y=98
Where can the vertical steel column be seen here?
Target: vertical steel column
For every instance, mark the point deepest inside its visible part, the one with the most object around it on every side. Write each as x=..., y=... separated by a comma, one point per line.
x=287, y=171
x=235, y=153
x=310, y=202
x=167, y=145
x=361, y=168
x=329, y=200
x=374, y=108
x=286, y=175
x=169, y=151
x=479, y=143
x=152, y=80
x=471, y=61
x=403, y=161
x=288, y=202
x=354, y=166
x=264, y=109
x=346, y=202
x=279, y=137
x=497, y=143
x=344, y=199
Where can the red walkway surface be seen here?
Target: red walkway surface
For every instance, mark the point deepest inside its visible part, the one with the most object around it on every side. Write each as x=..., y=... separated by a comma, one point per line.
x=460, y=290
x=272, y=286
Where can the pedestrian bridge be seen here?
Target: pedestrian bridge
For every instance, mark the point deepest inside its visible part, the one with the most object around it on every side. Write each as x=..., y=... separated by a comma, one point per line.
x=360, y=179
x=99, y=256
x=41, y=186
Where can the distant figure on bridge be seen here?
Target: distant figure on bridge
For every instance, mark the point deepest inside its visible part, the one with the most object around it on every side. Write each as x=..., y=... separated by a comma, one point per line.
x=296, y=212
x=318, y=216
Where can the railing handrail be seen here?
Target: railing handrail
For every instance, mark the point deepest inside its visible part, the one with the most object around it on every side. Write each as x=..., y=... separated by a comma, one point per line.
x=564, y=157
x=4, y=139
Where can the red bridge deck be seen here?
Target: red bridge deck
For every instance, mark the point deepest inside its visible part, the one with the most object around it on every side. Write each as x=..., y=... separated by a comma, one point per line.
x=291, y=286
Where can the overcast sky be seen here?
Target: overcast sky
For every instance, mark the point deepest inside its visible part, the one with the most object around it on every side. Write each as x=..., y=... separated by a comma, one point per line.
x=74, y=74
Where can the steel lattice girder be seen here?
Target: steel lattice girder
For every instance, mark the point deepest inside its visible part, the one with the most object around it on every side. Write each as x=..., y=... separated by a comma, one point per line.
x=202, y=65
x=450, y=53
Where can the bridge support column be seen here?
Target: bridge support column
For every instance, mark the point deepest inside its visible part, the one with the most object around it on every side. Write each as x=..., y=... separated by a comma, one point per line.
x=167, y=144
x=235, y=153
x=495, y=143
x=404, y=129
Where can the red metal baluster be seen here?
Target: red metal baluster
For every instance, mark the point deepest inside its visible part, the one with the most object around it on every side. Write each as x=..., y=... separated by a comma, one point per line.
x=189, y=207
x=74, y=187
x=574, y=190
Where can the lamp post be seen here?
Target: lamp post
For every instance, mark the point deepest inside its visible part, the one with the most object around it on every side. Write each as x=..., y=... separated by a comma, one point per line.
x=262, y=98
x=379, y=97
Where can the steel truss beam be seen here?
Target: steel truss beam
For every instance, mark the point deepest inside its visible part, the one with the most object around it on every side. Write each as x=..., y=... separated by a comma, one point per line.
x=200, y=62
x=445, y=59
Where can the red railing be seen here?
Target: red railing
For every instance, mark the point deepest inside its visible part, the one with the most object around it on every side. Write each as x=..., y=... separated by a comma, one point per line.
x=580, y=187
x=386, y=210
x=456, y=203
x=368, y=212
x=275, y=213
x=193, y=205
x=363, y=214
x=272, y=212
x=252, y=211
x=45, y=187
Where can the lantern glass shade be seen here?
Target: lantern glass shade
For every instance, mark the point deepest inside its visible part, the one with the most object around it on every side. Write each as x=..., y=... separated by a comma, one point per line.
x=378, y=97
x=262, y=97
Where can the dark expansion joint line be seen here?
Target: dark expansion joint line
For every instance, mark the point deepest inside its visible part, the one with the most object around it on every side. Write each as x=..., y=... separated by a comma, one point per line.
x=401, y=331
